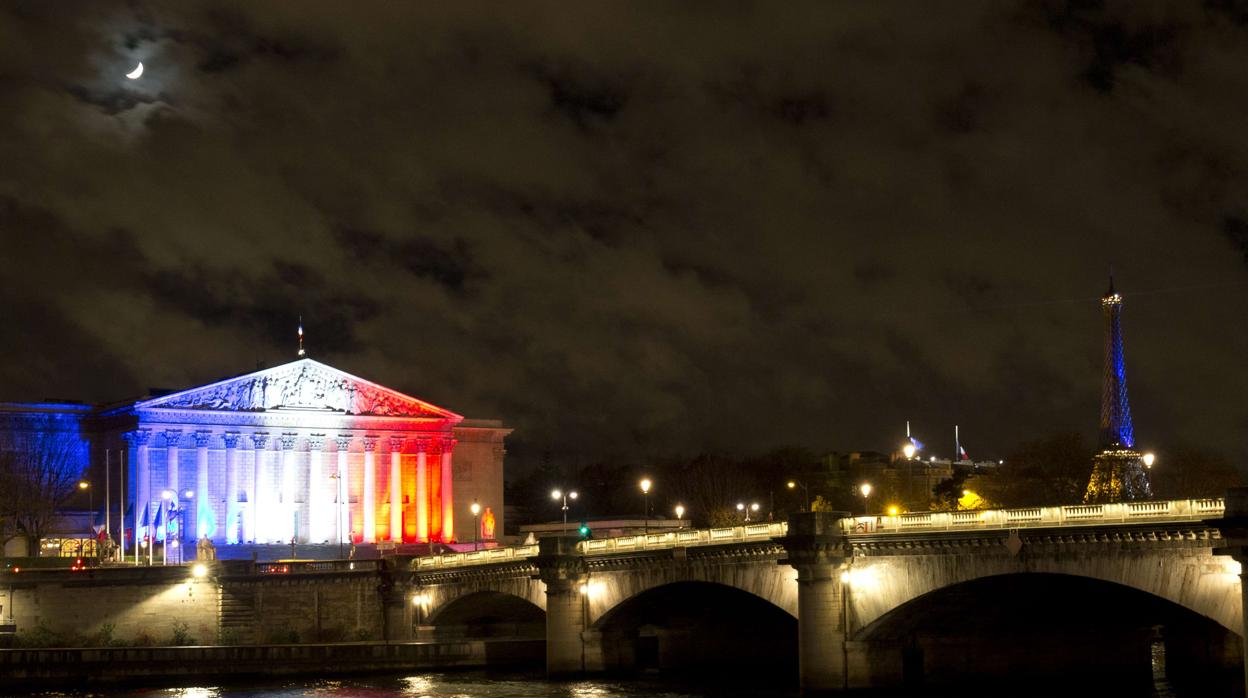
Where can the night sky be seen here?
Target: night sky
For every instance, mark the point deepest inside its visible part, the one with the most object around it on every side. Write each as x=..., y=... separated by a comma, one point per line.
x=632, y=230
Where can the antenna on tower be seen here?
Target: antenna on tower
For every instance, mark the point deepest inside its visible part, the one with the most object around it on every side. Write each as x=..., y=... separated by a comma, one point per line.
x=302, y=353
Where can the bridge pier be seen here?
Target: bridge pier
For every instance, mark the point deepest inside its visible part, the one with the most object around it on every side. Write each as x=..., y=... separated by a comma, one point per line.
x=1234, y=528
x=563, y=574
x=816, y=548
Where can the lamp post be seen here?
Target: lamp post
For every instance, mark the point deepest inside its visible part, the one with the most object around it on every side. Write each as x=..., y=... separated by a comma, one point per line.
x=1148, y=459
x=865, y=489
x=337, y=478
x=753, y=507
x=645, y=492
x=476, y=526
x=794, y=484
x=680, y=515
x=565, y=496
x=84, y=485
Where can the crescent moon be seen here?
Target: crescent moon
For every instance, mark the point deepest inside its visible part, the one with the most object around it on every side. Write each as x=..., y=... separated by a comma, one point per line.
x=134, y=74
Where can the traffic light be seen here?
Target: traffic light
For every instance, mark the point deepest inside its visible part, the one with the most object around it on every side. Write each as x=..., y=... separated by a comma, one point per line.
x=586, y=534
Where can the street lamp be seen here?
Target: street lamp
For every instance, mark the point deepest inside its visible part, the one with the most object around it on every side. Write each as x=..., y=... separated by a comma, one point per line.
x=680, y=513
x=337, y=478
x=565, y=496
x=865, y=489
x=476, y=526
x=645, y=491
x=794, y=484
x=1149, y=459
x=753, y=507
x=908, y=450
x=84, y=485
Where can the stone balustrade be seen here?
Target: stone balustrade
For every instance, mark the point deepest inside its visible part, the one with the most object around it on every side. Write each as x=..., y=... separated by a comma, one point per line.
x=1032, y=517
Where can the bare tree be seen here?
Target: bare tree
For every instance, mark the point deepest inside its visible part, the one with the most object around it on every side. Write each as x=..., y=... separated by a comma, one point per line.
x=710, y=486
x=38, y=473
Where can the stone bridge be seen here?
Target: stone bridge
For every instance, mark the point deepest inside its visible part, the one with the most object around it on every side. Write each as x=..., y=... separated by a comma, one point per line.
x=844, y=602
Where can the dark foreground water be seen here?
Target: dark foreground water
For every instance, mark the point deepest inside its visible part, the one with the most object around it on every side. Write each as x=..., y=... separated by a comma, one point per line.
x=477, y=685
x=449, y=685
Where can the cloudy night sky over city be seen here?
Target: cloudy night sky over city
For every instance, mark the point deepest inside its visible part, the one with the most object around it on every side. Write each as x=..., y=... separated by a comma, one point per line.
x=631, y=230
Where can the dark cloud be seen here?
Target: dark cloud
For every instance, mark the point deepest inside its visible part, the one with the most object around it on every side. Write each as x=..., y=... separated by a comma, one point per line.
x=634, y=230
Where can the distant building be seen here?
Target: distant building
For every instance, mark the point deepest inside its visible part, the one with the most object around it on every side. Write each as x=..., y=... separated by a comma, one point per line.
x=301, y=451
x=1118, y=471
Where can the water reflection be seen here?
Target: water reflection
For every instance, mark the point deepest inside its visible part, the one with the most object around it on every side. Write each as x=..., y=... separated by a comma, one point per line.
x=449, y=685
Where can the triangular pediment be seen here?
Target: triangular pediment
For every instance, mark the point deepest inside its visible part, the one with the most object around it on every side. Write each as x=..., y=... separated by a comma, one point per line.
x=300, y=385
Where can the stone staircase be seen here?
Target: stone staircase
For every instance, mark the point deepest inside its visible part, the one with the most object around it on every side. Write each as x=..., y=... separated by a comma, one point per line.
x=237, y=615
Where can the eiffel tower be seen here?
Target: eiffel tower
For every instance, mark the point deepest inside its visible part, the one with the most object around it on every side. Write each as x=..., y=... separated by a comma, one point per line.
x=1118, y=472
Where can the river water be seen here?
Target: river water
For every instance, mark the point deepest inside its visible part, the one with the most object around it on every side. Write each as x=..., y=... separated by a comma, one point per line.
x=448, y=685
x=471, y=684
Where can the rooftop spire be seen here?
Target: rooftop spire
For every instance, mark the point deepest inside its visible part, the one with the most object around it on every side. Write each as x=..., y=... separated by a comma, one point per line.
x=302, y=353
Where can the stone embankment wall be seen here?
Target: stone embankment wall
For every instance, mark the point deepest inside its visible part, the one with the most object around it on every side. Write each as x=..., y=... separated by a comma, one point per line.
x=233, y=604
x=43, y=668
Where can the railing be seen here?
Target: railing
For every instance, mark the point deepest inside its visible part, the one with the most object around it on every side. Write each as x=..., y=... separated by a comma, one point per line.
x=683, y=538
x=315, y=566
x=1077, y=515
x=476, y=557
x=1032, y=517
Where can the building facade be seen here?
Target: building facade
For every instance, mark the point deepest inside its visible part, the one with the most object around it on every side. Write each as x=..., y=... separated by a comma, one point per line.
x=301, y=452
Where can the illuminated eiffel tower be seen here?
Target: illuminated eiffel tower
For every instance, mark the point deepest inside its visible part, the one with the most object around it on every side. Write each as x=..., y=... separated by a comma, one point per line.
x=1118, y=471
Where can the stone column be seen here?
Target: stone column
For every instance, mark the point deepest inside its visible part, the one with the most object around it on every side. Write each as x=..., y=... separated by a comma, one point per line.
x=816, y=547
x=396, y=489
x=172, y=437
x=318, y=528
x=422, y=491
x=142, y=483
x=233, y=532
x=287, y=510
x=563, y=574
x=1234, y=528
x=343, y=497
x=257, y=530
x=203, y=498
x=448, y=496
x=369, y=500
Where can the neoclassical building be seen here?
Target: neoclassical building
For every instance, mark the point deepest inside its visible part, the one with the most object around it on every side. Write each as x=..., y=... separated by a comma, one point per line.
x=303, y=451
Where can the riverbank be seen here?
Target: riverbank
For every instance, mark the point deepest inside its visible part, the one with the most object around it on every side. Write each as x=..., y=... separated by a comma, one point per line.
x=45, y=669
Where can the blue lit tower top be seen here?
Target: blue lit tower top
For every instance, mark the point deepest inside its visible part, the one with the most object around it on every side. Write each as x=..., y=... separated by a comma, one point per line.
x=1116, y=429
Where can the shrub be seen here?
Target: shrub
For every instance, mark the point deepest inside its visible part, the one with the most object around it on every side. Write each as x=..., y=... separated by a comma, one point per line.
x=41, y=636
x=181, y=634
x=102, y=637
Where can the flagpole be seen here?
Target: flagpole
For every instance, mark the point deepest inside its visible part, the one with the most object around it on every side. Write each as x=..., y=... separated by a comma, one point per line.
x=121, y=509
x=107, y=491
x=957, y=444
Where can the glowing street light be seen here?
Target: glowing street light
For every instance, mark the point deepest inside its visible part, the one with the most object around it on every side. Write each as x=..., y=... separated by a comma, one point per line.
x=908, y=450
x=680, y=512
x=753, y=507
x=84, y=485
x=645, y=492
x=1148, y=459
x=565, y=496
x=476, y=527
x=793, y=484
x=865, y=489
x=893, y=510
x=199, y=570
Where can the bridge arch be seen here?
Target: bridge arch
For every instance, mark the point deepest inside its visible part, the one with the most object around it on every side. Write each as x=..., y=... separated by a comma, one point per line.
x=1030, y=629
x=762, y=578
x=435, y=600
x=1189, y=577
x=699, y=625
x=487, y=607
